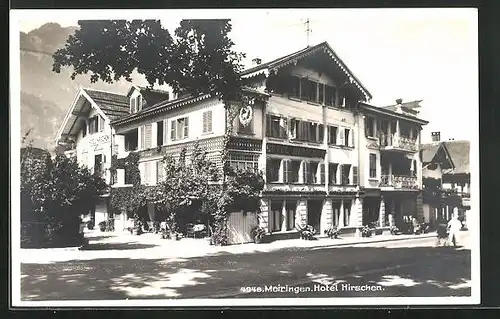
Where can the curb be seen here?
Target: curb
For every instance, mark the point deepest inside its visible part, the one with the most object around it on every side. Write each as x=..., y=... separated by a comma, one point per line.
x=430, y=235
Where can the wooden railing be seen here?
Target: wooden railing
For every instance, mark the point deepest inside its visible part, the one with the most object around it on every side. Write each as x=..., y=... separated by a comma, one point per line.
x=398, y=181
x=398, y=141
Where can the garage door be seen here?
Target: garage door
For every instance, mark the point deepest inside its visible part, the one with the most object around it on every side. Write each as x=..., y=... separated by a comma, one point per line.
x=239, y=227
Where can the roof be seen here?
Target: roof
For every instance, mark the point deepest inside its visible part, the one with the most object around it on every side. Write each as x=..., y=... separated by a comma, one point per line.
x=173, y=104
x=293, y=57
x=460, y=154
x=429, y=151
x=112, y=104
x=153, y=96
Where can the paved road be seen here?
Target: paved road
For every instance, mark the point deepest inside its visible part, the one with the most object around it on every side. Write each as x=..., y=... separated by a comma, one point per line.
x=408, y=268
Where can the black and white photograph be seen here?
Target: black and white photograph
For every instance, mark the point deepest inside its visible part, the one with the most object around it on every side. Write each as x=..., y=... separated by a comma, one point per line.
x=244, y=157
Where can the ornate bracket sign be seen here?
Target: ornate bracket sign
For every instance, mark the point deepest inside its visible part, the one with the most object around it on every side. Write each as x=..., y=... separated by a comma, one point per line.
x=246, y=115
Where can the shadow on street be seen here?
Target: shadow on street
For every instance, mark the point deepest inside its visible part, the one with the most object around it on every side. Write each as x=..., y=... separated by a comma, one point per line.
x=403, y=272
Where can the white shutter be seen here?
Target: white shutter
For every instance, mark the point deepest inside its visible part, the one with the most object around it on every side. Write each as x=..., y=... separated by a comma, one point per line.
x=132, y=105
x=186, y=127
x=351, y=138
x=159, y=171
x=205, y=122
x=147, y=136
x=341, y=135
x=209, y=121
x=165, y=131
x=173, y=130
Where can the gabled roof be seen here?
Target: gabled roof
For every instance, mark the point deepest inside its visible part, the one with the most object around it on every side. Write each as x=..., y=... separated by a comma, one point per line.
x=429, y=153
x=387, y=112
x=460, y=154
x=112, y=104
x=109, y=105
x=274, y=65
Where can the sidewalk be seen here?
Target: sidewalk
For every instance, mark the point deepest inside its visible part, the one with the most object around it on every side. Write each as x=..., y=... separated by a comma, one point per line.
x=103, y=245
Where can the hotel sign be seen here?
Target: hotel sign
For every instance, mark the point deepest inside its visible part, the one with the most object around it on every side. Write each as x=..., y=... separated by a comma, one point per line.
x=98, y=140
x=291, y=150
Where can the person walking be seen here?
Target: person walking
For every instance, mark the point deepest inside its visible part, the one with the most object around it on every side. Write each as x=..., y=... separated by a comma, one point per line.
x=454, y=226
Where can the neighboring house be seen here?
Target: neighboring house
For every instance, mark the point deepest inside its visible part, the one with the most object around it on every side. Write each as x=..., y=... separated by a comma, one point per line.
x=329, y=158
x=446, y=178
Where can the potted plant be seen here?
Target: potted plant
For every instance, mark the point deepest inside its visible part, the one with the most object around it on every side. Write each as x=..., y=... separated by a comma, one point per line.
x=257, y=233
x=332, y=232
x=366, y=231
x=307, y=233
x=137, y=230
x=90, y=224
x=102, y=225
x=394, y=230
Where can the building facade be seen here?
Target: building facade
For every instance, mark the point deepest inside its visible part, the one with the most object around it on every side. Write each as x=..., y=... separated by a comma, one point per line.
x=328, y=157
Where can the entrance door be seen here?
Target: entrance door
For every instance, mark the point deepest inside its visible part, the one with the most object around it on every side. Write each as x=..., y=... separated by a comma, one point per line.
x=314, y=208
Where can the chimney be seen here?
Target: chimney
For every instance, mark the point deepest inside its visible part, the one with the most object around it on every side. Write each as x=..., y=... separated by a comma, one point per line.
x=256, y=61
x=436, y=136
x=398, y=106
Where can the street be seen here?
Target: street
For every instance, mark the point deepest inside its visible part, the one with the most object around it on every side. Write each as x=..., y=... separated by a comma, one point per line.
x=409, y=268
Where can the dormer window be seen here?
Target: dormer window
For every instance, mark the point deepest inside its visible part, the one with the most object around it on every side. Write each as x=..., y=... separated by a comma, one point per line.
x=136, y=104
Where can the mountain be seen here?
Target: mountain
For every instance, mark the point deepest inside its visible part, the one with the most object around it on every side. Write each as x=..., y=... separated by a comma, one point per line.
x=46, y=95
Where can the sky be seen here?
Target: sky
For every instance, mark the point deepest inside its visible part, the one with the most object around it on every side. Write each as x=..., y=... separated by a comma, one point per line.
x=413, y=54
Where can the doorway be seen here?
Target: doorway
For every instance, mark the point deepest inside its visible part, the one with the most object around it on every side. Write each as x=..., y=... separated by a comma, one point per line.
x=314, y=208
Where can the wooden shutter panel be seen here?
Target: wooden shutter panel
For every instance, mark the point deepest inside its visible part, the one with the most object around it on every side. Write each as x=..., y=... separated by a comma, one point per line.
x=321, y=133
x=355, y=175
x=285, y=171
x=205, y=122
x=147, y=136
x=209, y=118
x=322, y=173
x=341, y=136
x=186, y=127
x=165, y=130
x=173, y=130
x=351, y=138
x=132, y=105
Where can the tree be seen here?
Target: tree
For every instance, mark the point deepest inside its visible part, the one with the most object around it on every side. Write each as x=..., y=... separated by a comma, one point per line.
x=197, y=59
x=54, y=194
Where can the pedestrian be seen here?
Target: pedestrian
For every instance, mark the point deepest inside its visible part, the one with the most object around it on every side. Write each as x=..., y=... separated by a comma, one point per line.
x=454, y=226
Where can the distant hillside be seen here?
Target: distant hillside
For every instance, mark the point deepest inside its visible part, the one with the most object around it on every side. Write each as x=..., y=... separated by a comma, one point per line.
x=45, y=95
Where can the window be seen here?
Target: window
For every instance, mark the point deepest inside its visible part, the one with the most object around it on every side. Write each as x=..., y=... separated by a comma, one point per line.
x=207, y=122
x=98, y=161
x=84, y=128
x=345, y=171
x=294, y=167
x=136, y=104
x=330, y=92
x=131, y=140
x=291, y=207
x=159, y=133
x=346, y=136
x=369, y=127
x=146, y=173
x=332, y=173
x=100, y=123
x=272, y=171
x=306, y=173
x=307, y=131
x=244, y=161
x=179, y=129
x=94, y=124
x=276, y=218
x=332, y=135
x=309, y=90
x=321, y=92
x=294, y=86
x=373, y=165
x=287, y=172
x=276, y=126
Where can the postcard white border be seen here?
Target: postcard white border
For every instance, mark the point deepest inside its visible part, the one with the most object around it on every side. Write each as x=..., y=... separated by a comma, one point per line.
x=15, y=136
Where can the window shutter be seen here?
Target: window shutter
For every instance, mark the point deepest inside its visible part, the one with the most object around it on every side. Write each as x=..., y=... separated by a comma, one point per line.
x=305, y=172
x=285, y=171
x=341, y=136
x=173, y=130
x=209, y=121
x=293, y=129
x=100, y=124
x=321, y=133
x=351, y=138
x=139, y=102
x=147, y=136
x=355, y=175
x=186, y=127
x=132, y=106
x=321, y=173
x=205, y=122
x=165, y=130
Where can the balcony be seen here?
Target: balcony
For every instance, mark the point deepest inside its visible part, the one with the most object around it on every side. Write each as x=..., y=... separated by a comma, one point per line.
x=399, y=182
x=307, y=188
x=396, y=142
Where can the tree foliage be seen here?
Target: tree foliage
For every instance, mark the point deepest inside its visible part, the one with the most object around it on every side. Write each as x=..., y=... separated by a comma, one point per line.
x=56, y=192
x=197, y=58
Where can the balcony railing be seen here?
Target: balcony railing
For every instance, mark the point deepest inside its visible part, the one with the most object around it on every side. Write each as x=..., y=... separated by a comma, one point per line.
x=395, y=141
x=406, y=182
